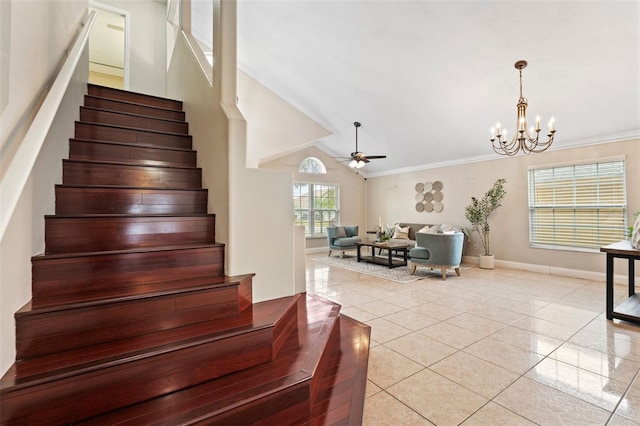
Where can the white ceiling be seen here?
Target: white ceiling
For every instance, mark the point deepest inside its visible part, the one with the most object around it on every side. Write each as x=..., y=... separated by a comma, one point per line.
x=428, y=79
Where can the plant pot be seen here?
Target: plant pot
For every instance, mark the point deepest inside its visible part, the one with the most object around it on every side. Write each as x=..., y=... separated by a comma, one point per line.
x=635, y=236
x=487, y=261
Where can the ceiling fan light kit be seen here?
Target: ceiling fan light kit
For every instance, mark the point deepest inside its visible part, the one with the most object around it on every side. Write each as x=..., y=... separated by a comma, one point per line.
x=359, y=159
x=522, y=139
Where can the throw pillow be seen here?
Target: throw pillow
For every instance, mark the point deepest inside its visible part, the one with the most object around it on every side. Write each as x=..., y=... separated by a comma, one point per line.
x=424, y=229
x=340, y=232
x=435, y=229
x=447, y=228
x=401, y=233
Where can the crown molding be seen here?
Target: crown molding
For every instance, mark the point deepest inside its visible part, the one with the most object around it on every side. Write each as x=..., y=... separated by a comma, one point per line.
x=598, y=140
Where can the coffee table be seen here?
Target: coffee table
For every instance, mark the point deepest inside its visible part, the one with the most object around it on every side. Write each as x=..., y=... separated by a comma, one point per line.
x=391, y=260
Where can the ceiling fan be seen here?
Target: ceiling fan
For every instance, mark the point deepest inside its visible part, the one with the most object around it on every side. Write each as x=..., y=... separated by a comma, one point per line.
x=359, y=159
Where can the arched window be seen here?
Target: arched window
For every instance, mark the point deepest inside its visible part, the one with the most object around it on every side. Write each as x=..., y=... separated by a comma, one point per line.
x=315, y=204
x=312, y=165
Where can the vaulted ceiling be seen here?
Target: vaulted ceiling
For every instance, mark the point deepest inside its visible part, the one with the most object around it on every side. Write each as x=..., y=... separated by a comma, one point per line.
x=427, y=79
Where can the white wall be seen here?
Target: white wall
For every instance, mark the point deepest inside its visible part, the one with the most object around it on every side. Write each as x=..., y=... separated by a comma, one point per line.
x=34, y=37
x=252, y=206
x=352, y=187
x=392, y=197
x=261, y=231
x=208, y=126
x=274, y=126
x=148, y=52
x=40, y=32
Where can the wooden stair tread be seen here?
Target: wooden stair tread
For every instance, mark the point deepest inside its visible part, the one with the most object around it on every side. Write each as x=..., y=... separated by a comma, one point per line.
x=108, y=296
x=125, y=216
x=132, y=145
x=92, y=88
x=135, y=129
x=114, y=173
x=132, y=114
x=48, y=368
x=123, y=164
x=167, y=247
x=292, y=368
x=129, y=153
x=96, y=199
x=130, y=103
x=116, y=187
x=156, y=124
x=131, y=134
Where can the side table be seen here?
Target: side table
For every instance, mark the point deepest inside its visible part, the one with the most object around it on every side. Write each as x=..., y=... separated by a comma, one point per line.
x=629, y=310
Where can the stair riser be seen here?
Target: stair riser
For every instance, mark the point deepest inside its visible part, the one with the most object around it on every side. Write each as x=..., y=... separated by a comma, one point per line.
x=286, y=407
x=83, y=150
x=109, y=117
x=78, y=173
x=75, y=398
x=245, y=294
x=111, y=133
x=114, y=105
x=105, y=92
x=73, y=200
x=284, y=327
x=79, y=235
x=327, y=361
x=60, y=331
x=61, y=278
x=343, y=384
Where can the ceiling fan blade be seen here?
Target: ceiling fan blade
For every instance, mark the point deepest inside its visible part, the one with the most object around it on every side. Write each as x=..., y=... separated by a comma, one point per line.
x=374, y=157
x=364, y=159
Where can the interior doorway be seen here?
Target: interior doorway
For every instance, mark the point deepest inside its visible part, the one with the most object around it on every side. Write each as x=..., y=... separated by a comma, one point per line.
x=108, y=47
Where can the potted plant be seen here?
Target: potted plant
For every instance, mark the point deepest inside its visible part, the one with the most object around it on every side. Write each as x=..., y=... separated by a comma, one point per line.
x=633, y=231
x=478, y=213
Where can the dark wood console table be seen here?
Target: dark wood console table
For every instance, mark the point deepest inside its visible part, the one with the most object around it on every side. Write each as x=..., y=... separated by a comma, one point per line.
x=629, y=310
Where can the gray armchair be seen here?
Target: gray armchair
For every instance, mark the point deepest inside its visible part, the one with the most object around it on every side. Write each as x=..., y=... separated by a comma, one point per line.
x=442, y=251
x=342, y=238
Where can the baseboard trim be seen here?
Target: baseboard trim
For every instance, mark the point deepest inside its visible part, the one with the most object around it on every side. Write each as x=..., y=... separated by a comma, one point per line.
x=541, y=269
x=317, y=250
x=552, y=270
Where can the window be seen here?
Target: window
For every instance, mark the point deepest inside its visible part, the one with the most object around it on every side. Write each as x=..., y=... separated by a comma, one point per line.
x=312, y=165
x=315, y=206
x=197, y=27
x=580, y=206
x=202, y=26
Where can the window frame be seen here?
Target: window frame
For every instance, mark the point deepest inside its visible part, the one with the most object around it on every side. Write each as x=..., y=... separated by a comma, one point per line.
x=599, y=210
x=321, y=168
x=204, y=56
x=311, y=210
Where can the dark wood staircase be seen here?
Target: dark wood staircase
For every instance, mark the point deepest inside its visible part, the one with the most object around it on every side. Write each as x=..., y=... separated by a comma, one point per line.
x=132, y=318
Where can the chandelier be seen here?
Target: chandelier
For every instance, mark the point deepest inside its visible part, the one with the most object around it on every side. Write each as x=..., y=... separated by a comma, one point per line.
x=522, y=138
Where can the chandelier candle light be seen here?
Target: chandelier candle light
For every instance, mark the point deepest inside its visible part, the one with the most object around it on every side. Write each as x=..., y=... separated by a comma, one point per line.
x=522, y=139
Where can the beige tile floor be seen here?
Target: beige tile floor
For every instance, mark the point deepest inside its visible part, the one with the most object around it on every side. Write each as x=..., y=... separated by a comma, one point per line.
x=499, y=347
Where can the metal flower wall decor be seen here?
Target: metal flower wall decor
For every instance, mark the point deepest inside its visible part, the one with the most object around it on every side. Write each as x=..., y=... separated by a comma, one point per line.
x=429, y=197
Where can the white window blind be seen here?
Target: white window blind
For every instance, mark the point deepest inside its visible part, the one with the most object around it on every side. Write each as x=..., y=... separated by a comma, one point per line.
x=315, y=206
x=582, y=206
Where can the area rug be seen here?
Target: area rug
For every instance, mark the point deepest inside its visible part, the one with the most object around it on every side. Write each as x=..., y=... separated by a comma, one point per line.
x=399, y=274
